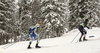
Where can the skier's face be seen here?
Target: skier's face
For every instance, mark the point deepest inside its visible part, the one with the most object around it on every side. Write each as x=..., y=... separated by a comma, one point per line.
x=87, y=21
x=40, y=23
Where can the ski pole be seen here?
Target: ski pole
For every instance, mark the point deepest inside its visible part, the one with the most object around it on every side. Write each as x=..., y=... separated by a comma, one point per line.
x=75, y=37
x=78, y=39
x=22, y=38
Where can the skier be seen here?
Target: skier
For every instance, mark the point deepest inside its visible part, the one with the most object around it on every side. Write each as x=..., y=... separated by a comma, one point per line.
x=82, y=30
x=33, y=35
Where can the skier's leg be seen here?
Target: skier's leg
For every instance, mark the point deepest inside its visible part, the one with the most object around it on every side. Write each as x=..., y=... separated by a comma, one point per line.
x=81, y=35
x=85, y=32
x=32, y=38
x=38, y=39
x=80, y=38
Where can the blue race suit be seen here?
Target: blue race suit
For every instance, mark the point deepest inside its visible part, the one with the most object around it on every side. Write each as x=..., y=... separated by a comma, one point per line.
x=81, y=27
x=33, y=33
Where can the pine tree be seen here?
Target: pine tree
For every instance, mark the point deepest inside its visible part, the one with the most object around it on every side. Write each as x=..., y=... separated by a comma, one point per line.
x=74, y=14
x=93, y=12
x=36, y=11
x=53, y=13
x=25, y=16
x=6, y=20
x=81, y=10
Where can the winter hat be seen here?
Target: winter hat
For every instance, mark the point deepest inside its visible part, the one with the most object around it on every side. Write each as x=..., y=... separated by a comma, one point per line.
x=86, y=20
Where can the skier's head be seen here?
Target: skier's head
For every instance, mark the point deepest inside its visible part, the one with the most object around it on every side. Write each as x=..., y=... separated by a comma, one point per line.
x=39, y=22
x=86, y=20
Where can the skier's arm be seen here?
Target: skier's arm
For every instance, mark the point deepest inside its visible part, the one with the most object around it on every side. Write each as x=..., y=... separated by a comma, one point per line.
x=87, y=26
x=35, y=32
x=37, y=25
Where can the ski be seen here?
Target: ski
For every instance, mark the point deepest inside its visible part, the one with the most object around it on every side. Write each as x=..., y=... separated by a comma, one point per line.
x=41, y=47
x=91, y=36
x=92, y=39
x=87, y=40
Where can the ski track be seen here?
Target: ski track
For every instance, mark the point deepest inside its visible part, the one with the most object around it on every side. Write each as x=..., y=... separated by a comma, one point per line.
x=60, y=44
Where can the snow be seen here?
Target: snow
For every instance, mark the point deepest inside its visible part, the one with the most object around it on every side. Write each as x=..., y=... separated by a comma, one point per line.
x=2, y=31
x=60, y=44
x=1, y=22
x=2, y=4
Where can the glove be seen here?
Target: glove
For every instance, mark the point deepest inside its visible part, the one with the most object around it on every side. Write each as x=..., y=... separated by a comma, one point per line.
x=88, y=27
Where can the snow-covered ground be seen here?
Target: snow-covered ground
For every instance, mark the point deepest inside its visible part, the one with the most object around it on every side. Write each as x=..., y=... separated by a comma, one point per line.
x=60, y=44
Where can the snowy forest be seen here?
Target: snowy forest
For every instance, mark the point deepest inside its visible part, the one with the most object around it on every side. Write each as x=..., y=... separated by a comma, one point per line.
x=17, y=16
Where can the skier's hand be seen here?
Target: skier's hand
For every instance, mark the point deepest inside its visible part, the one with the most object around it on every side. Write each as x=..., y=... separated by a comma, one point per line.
x=32, y=31
x=88, y=27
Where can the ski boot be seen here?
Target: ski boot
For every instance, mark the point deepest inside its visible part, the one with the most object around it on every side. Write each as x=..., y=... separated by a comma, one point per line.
x=80, y=40
x=29, y=47
x=37, y=46
x=84, y=39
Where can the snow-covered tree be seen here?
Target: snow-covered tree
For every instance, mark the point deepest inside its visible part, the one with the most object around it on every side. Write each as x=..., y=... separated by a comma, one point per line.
x=54, y=15
x=93, y=14
x=82, y=9
x=64, y=1
x=25, y=16
x=36, y=11
x=7, y=26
